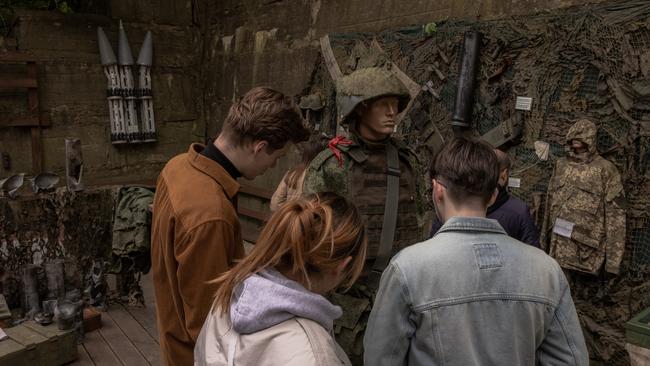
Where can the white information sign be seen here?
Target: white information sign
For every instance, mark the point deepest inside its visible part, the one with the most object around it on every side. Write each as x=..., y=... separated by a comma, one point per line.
x=563, y=227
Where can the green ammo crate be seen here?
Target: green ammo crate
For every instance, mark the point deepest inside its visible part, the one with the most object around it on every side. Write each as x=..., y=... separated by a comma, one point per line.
x=12, y=353
x=29, y=353
x=31, y=344
x=5, y=313
x=62, y=343
x=637, y=330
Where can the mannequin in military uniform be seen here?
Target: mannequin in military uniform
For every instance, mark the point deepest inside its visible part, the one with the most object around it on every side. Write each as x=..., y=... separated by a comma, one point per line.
x=584, y=227
x=381, y=175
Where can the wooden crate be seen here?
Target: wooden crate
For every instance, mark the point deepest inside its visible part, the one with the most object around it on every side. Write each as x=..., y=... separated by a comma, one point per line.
x=31, y=344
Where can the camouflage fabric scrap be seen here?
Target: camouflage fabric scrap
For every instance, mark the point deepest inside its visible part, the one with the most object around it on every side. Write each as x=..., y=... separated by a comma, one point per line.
x=131, y=231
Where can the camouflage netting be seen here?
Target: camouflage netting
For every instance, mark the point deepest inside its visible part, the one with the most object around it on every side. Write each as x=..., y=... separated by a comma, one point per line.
x=586, y=62
x=73, y=227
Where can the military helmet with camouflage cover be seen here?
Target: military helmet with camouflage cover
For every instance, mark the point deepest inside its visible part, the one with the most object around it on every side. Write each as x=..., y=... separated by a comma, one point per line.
x=366, y=84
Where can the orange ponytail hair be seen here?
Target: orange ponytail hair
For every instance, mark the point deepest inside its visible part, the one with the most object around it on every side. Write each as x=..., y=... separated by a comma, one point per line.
x=303, y=238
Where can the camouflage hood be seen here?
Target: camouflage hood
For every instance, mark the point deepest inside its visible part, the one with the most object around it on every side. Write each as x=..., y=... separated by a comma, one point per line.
x=585, y=131
x=366, y=84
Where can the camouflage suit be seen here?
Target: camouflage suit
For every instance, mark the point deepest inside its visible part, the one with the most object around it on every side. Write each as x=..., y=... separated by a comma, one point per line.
x=586, y=191
x=357, y=169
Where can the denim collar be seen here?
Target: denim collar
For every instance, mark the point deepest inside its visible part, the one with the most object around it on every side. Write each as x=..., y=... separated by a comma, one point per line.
x=472, y=224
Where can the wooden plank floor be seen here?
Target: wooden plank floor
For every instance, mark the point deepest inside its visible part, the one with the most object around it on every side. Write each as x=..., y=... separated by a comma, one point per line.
x=128, y=337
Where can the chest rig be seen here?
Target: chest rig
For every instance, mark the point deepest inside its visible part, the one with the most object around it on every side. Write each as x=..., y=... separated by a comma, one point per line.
x=382, y=185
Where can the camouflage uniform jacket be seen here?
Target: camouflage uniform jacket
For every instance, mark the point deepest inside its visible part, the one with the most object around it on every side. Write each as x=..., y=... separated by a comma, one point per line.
x=360, y=175
x=586, y=191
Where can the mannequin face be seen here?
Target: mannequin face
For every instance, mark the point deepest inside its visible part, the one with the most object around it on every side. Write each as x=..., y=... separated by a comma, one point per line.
x=578, y=146
x=378, y=118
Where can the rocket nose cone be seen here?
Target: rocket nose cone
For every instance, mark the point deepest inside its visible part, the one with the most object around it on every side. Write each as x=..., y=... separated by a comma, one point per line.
x=125, y=57
x=105, y=50
x=146, y=51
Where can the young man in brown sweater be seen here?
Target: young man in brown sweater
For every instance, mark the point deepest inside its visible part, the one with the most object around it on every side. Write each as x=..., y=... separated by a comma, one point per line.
x=195, y=234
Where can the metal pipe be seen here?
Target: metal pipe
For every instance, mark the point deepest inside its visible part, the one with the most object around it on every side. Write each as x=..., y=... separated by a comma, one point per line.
x=464, y=103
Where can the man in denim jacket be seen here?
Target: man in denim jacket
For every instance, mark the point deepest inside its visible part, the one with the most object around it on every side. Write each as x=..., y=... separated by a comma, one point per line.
x=472, y=295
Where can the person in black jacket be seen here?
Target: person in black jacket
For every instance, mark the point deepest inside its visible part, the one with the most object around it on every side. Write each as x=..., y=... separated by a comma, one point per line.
x=511, y=212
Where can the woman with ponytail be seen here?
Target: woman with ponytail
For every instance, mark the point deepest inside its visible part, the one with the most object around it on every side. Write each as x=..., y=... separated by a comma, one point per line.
x=270, y=308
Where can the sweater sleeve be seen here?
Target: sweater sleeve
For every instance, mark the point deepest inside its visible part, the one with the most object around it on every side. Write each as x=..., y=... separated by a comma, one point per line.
x=530, y=234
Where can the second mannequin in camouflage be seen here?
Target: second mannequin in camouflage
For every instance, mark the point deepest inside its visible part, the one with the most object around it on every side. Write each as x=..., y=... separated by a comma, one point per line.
x=381, y=175
x=584, y=227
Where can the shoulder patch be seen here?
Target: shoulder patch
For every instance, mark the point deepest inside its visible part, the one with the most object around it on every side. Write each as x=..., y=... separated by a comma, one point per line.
x=321, y=158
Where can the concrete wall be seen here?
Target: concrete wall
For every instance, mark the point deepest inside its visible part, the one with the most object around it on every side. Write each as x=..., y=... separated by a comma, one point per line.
x=72, y=88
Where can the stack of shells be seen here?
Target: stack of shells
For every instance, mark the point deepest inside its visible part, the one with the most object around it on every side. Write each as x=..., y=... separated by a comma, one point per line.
x=124, y=100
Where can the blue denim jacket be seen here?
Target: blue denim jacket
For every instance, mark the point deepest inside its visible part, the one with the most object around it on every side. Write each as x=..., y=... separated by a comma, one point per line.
x=472, y=295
